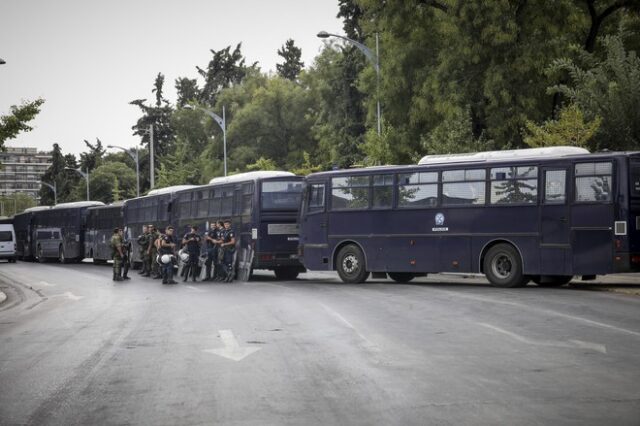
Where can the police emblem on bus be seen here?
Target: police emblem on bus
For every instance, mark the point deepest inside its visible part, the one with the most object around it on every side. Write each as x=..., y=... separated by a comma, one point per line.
x=439, y=224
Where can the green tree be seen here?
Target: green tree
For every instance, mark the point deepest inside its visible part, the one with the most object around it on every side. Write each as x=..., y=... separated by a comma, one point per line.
x=103, y=180
x=115, y=191
x=606, y=88
x=93, y=157
x=292, y=65
x=16, y=203
x=571, y=128
x=186, y=90
x=12, y=124
x=64, y=180
x=262, y=164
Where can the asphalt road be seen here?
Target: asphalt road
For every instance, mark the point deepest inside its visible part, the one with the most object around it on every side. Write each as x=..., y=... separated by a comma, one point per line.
x=79, y=349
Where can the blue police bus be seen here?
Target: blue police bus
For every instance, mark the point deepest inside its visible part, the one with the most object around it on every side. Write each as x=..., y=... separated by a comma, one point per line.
x=263, y=206
x=24, y=225
x=542, y=215
x=59, y=231
x=154, y=208
x=99, y=225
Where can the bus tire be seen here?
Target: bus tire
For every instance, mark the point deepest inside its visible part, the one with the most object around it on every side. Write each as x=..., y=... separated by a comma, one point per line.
x=286, y=274
x=503, y=267
x=351, y=265
x=552, y=281
x=401, y=277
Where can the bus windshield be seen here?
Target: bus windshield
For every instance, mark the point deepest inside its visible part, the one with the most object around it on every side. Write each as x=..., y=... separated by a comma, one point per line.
x=281, y=195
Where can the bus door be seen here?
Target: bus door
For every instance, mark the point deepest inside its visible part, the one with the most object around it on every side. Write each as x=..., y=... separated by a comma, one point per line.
x=315, y=226
x=555, y=249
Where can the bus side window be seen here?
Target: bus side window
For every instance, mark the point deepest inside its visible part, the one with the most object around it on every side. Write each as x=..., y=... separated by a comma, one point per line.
x=593, y=182
x=350, y=193
x=316, y=197
x=555, y=190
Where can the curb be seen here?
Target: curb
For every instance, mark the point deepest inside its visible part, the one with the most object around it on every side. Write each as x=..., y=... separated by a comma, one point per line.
x=3, y=297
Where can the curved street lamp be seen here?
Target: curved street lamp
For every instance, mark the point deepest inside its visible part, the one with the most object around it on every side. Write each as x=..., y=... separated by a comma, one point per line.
x=221, y=122
x=136, y=159
x=84, y=175
x=54, y=189
x=371, y=56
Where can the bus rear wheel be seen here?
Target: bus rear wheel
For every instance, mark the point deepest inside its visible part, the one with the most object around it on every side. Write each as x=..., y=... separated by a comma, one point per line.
x=401, y=277
x=286, y=274
x=552, y=281
x=503, y=267
x=351, y=265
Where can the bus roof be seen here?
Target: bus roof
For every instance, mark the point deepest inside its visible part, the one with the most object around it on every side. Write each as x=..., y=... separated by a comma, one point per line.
x=78, y=204
x=169, y=189
x=241, y=177
x=36, y=209
x=513, y=154
x=108, y=206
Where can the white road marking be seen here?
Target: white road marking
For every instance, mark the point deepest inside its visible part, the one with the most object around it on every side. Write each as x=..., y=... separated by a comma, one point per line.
x=232, y=349
x=542, y=310
x=552, y=343
x=46, y=284
x=343, y=320
x=68, y=295
x=194, y=288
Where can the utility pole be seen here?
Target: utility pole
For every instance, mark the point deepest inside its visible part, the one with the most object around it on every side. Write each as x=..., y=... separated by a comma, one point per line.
x=152, y=172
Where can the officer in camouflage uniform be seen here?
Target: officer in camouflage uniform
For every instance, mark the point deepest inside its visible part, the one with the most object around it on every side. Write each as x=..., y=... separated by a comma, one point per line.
x=117, y=254
x=153, y=252
x=144, y=240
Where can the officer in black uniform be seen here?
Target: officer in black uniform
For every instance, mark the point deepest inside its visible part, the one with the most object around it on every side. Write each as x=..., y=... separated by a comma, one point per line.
x=191, y=241
x=228, y=246
x=211, y=237
x=167, y=246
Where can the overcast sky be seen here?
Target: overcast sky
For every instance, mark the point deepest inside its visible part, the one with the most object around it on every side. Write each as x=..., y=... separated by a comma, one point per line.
x=89, y=58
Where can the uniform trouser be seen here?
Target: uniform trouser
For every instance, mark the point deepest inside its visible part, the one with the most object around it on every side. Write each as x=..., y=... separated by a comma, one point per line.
x=192, y=266
x=227, y=262
x=167, y=272
x=125, y=265
x=212, y=258
x=117, y=265
x=146, y=264
x=155, y=268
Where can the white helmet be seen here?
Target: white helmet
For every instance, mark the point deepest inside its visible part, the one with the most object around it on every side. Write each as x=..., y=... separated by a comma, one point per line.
x=166, y=259
x=184, y=256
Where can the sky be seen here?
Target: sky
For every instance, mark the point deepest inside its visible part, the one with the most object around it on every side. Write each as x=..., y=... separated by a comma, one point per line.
x=88, y=59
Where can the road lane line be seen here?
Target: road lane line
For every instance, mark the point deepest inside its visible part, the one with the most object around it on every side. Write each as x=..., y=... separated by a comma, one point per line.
x=346, y=322
x=542, y=310
x=573, y=344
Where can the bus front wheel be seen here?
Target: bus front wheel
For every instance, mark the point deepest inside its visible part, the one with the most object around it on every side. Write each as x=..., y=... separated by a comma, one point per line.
x=503, y=267
x=351, y=265
x=286, y=274
x=401, y=277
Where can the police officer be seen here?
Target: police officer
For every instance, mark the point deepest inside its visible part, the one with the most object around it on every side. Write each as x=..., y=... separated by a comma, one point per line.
x=219, y=272
x=211, y=238
x=167, y=246
x=126, y=258
x=228, y=245
x=144, y=240
x=116, y=254
x=153, y=252
x=191, y=241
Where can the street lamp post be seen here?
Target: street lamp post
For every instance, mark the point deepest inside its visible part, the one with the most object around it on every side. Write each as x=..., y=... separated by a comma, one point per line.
x=222, y=122
x=375, y=60
x=54, y=189
x=136, y=159
x=85, y=175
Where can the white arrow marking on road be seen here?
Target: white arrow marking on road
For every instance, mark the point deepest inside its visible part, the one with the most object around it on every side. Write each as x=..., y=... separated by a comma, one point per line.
x=554, y=343
x=232, y=349
x=46, y=284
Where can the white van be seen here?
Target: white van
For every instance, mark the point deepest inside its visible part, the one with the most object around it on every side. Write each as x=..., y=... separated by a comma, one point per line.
x=7, y=242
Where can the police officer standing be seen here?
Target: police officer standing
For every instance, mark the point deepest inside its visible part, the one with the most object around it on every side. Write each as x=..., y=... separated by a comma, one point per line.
x=116, y=254
x=143, y=244
x=191, y=241
x=167, y=247
x=126, y=258
x=211, y=238
x=228, y=246
x=153, y=252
